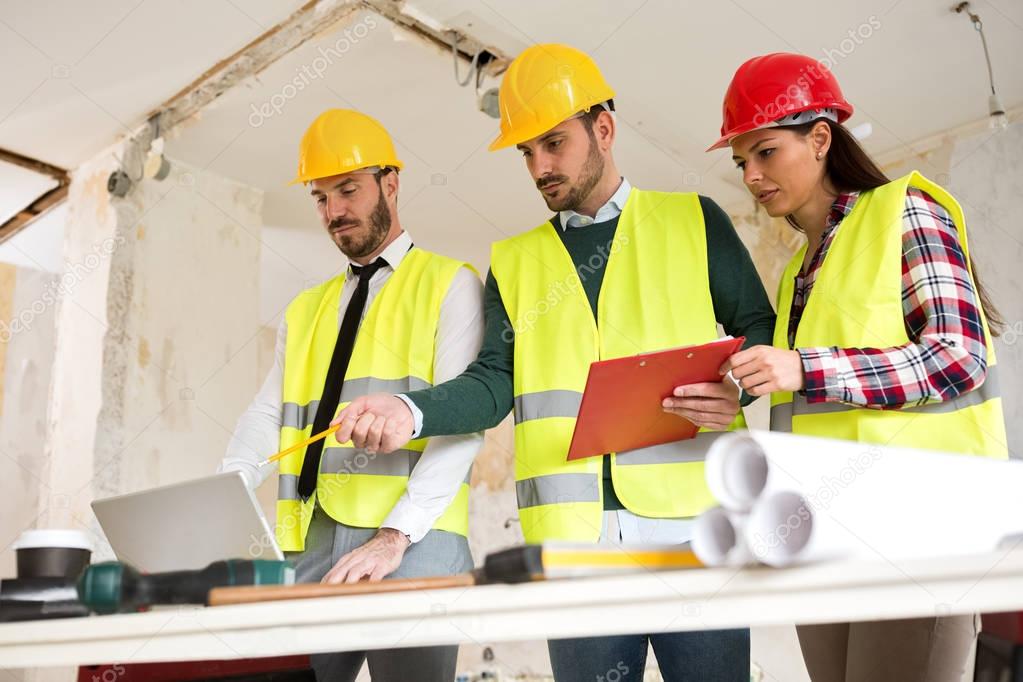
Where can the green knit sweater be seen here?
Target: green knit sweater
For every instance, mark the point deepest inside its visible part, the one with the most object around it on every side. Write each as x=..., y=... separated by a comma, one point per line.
x=482, y=395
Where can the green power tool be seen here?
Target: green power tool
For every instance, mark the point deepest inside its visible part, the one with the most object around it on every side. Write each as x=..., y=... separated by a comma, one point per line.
x=116, y=587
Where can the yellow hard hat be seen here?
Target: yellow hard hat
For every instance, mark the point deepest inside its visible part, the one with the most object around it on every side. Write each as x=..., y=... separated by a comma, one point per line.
x=341, y=141
x=545, y=85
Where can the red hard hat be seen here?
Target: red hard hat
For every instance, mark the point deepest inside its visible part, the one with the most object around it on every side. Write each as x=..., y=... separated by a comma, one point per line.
x=767, y=88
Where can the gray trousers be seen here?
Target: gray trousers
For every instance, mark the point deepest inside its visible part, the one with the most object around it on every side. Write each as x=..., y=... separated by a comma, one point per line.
x=439, y=553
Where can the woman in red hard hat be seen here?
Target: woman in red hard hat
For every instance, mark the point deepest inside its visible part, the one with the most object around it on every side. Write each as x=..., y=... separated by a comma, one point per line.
x=882, y=333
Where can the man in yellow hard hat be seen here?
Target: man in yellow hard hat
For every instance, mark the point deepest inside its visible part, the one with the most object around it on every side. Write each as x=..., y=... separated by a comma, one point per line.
x=397, y=319
x=616, y=271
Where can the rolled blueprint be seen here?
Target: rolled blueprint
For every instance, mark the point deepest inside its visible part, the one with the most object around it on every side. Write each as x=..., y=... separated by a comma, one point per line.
x=819, y=499
x=719, y=538
x=736, y=473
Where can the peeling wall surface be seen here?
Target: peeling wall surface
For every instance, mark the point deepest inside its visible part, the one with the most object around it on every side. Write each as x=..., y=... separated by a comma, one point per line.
x=27, y=337
x=181, y=353
x=986, y=176
x=76, y=389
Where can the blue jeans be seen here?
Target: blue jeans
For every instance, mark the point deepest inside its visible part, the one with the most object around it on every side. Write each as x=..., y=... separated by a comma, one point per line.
x=702, y=656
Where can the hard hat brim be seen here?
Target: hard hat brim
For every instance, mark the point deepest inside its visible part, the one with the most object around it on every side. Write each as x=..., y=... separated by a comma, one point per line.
x=845, y=110
x=305, y=180
x=503, y=141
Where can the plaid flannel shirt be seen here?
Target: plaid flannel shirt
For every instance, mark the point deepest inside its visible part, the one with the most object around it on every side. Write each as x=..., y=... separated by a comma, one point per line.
x=946, y=355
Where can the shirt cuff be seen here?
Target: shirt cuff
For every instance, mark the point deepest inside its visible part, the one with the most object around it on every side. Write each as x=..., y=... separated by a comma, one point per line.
x=409, y=519
x=417, y=415
x=821, y=382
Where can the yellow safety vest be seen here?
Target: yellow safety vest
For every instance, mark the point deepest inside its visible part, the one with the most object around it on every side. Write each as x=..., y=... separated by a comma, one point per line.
x=655, y=295
x=856, y=302
x=394, y=353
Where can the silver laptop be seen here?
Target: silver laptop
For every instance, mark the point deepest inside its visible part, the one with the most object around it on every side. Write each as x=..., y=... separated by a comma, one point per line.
x=187, y=525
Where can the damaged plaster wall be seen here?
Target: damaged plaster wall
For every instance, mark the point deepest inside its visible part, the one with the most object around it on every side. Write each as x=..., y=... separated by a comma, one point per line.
x=81, y=326
x=181, y=355
x=26, y=346
x=155, y=352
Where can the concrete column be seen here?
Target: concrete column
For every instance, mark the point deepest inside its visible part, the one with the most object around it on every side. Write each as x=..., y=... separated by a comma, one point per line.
x=157, y=335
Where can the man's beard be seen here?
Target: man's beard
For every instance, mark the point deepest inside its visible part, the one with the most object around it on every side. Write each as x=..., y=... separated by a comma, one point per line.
x=591, y=173
x=379, y=225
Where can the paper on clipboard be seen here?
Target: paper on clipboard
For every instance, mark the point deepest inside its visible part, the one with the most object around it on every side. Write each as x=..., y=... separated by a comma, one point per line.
x=621, y=406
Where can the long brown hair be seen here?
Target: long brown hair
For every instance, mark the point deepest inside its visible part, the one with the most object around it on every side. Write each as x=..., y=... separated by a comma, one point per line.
x=851, y=169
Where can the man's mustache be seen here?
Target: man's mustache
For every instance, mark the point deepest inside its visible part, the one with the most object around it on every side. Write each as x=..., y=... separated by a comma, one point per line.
x=339, y=223
x=551, y=180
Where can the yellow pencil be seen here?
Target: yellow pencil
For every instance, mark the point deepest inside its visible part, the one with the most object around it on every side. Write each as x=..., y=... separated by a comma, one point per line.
x=298, y=446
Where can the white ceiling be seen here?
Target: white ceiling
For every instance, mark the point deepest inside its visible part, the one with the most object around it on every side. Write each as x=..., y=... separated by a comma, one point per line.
x=87, y=71
x=919, y=71
x=77, y=75
x=18, y=187
x=670, y=63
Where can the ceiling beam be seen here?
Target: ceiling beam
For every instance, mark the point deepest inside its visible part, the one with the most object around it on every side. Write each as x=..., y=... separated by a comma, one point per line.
x=41, y=204
x=31, y=164
x=314, y=19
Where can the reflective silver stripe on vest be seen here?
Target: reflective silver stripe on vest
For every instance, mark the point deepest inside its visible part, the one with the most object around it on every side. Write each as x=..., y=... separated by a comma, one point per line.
x=781, y=415
x=287, y=487
x=683, y=451
x=353, y=388
x=544, y=404
x=358, y=461
x=298, y=416
x=301, y=416
x=287, y=484
x=557, y=489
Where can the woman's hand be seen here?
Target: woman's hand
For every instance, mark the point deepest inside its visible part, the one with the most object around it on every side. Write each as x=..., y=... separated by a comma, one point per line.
x=765, y=369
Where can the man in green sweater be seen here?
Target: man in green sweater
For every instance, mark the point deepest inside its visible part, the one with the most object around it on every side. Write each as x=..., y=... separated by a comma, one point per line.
x=616, y=271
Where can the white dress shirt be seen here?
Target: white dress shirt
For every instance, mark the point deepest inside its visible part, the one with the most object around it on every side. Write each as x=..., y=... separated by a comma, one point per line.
x=446, y=460
x=612, y=208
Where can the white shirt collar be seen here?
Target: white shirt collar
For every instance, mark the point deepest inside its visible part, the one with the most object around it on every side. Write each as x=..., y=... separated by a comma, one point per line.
x=612, y=209
x=394, y=252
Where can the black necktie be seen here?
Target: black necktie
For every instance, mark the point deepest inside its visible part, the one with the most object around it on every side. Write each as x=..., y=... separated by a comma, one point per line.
x=336, y=375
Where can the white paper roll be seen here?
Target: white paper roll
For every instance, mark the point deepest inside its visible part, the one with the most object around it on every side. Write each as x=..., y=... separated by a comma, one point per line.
x=779, y=528
x=866, y=501
x=719, y=540
x=736, y=473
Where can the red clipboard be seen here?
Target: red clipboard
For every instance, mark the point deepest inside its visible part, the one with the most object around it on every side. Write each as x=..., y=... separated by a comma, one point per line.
x=621, y=406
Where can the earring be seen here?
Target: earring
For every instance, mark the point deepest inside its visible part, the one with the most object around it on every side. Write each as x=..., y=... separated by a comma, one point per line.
x=819, y=155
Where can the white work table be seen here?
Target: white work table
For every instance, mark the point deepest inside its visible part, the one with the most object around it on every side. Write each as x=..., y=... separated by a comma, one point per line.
x=647, y=602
